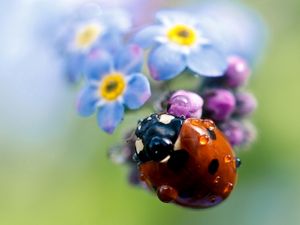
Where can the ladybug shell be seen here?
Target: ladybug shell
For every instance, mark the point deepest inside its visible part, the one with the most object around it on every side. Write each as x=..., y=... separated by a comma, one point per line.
x=200, y=173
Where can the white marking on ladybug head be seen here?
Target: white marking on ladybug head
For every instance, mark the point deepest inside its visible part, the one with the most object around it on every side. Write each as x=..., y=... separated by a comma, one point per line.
x=177, y=145
x=139, y=146
x=165, y=160
x=139, y=127
x=165, y=118
x=149, y=118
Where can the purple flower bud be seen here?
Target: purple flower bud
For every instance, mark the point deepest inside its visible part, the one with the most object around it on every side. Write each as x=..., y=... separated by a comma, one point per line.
x=237, y=72
x=250, y=133
x=234, y=132
x=239, y=133
x=245, y=104
x=219, y=104
x=185, y=103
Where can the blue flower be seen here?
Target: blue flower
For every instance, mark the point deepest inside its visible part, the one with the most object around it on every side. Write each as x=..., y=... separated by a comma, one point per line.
x=112, y=83
x=86, y=34
x=239, y=30
x=179, y=42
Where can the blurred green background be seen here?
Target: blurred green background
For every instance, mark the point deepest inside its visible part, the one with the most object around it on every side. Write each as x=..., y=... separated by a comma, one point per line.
x=61, y=175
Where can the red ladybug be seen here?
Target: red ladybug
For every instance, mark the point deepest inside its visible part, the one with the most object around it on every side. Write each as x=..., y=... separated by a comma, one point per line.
x=186, y=161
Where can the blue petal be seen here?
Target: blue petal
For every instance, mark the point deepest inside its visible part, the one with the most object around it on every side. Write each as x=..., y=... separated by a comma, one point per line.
x=74, y=67
x=98, y=64
x=174, y=16
x=87, y=100
x=146, y=37
x=138, y=91
x=109, y=116
x=110, y=41
x=165, y=63
x=207, y=61
x=228, y=18
x=117, y=19
x=129, y=60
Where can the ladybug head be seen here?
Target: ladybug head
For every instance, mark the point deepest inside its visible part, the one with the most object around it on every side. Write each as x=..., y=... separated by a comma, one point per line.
x=156, y=136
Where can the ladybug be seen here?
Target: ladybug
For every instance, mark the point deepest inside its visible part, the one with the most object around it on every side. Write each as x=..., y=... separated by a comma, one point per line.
x=185, y=161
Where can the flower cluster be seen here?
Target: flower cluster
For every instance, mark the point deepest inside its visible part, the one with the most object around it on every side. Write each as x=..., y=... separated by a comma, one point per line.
x=94, y=49
x=228, y=104
x=115, y=64
x=85, y=34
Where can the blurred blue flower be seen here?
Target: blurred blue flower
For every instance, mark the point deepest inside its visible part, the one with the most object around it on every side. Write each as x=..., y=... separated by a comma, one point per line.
x=238, y=29
x=179, y=42
x=112, y=83
x=88, y=32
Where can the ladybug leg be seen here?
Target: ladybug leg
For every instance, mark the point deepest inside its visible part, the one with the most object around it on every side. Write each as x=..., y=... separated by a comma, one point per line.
x=166, y=193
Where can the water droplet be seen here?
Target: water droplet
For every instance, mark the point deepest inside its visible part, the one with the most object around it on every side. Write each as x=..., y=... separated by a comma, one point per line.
x=142, y=177
x=217, y=179
x=196, y=122
x=212, y=198
x=203, y=139
x=209, y=124
x=227, y=158
x=166, y=193
x=228, y=188
x=238, y=162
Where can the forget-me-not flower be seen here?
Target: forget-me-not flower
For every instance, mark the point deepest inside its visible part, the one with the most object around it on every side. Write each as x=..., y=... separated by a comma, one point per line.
x=178, y=42
x=85, y=34
x=112, y=83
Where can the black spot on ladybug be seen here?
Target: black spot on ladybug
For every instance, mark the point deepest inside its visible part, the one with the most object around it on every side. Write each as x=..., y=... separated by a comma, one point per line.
x=178, y=160
x=212, y=134
x=213, y=166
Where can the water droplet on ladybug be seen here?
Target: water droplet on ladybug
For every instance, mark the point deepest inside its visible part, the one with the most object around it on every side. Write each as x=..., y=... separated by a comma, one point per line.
x=142, y=177
x=195, y=122
x=227, y=158
x=166, y=193
x=217, y=179
x=209, y=124
x=228, y=187
x=203, y=139
x=212, y=198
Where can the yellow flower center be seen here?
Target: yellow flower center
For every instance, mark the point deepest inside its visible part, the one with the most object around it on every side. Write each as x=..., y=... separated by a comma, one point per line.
x=112, y=86
x=182, y=35
x=87, y=35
